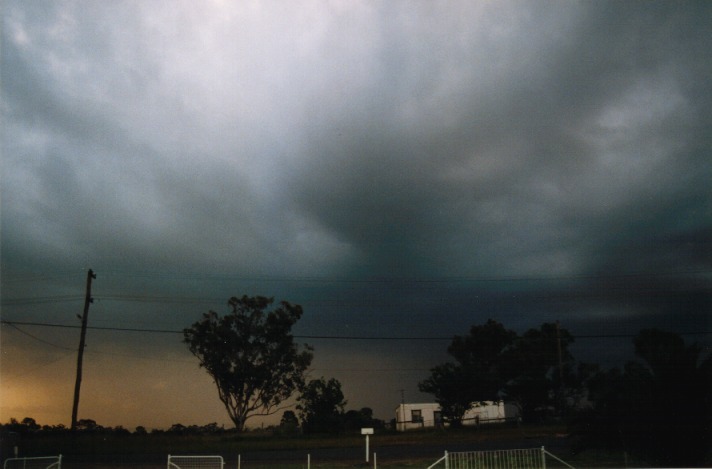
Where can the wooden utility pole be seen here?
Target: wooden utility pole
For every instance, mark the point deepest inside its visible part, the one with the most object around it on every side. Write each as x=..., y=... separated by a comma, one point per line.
x=87, y=300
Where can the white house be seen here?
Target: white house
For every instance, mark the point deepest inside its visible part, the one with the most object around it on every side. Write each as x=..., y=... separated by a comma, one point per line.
x=413, y=416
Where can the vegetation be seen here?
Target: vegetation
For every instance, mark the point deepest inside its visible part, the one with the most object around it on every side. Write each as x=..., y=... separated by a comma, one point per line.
x=107, y=448
x=492, y=363
x=476, y=376
x=251, y=355
x=321, y=406
x=655, y=411
x=658, y=409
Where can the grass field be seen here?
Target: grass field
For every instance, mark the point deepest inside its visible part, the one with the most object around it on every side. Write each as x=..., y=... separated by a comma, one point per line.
x=262, y=450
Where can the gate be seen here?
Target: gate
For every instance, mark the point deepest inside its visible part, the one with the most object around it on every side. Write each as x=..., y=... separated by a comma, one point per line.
x=195, y=462
x=47, y=462
x=533, y=458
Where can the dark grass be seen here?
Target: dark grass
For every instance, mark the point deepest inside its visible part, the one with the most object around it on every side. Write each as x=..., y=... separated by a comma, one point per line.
x=269, y=451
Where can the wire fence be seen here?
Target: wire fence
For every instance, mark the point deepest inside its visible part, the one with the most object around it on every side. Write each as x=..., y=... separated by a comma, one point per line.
x=45, y=462
x=532, y=458
x=195, y=462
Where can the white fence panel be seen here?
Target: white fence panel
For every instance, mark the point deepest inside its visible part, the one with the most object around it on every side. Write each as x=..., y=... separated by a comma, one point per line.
x=533, y=458
x=505, y=459
x=195, y=462
x=45, y=462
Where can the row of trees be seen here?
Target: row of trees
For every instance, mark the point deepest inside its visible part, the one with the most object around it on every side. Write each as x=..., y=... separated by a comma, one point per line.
x=257, y=366
x=493, y=362
x=29, y=426
x=321, y=409
x=659, y=406
x=665, y=396
x=326, y=415
x=253, y=359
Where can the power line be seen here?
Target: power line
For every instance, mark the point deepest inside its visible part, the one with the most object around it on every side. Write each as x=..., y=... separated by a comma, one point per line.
x=101, y=328
x=315, y=337
x=13, y=325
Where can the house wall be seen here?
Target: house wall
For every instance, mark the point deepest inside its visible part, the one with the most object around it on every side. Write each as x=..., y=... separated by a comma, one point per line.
x=481, y=413
x=404, y=416
x=485, y=412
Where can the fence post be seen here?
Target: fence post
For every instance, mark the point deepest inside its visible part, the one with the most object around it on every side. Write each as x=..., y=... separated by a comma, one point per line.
x=238, y=461
x=543, y=457
x=308, y=461
x=447, y=461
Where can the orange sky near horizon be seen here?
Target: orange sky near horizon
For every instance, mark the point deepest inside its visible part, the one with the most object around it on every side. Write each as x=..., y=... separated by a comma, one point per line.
x=125, y=387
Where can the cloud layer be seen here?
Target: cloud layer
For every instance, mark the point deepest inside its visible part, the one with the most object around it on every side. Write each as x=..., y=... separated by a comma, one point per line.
x=381, y=163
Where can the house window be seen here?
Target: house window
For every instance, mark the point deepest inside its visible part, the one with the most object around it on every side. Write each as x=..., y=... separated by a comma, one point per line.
x=416, y=415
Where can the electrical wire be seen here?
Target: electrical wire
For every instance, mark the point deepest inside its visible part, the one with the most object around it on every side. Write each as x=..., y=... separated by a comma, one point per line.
x=14, y=326
x=314, y=337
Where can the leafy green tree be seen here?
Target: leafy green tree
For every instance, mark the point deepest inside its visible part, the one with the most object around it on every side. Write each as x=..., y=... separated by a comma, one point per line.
x=493, y=362
x=31, y=424
x=321, y=406
x=289, y=424
x=140, y=430
x=450, y=386
x=289, y=418
x=533, y=375
x=658, y=407
x=477, y=374
x=480, y=355
x=354, y=420
x=251, y=355
x=89, y=425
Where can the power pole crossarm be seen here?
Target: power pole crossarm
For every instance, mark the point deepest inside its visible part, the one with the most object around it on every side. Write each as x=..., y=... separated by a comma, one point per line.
x=80, y=356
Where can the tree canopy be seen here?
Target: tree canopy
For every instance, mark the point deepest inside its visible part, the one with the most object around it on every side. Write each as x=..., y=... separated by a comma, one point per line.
x=321, y=406
x=659, y=407
x=475, y=376
x=492, y=363
x=251, y=355
x=534, y=367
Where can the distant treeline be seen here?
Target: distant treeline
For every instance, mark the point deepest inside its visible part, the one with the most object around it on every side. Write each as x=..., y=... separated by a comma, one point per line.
x=350, y=422
x=28, y=427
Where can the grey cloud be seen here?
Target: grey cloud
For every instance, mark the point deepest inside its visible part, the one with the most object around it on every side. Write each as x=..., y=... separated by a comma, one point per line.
x=401, y=166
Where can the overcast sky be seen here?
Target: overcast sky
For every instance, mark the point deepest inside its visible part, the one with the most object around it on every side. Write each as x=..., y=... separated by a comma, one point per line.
x=403, y=170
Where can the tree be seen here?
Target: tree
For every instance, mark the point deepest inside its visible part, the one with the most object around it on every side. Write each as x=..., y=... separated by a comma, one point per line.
x=355, y=420
x=659, y=407
x=89, y=425
x=31, y=424
x=289, y=423
x=251, y=355
x=321, y=406
x=450, y=386
x=289, y=418
x=140, y=430
x=477, y=374
x=532, y=370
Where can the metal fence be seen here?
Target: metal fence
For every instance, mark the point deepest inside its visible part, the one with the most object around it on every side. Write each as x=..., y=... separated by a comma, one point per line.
x=195, y=462
x=45, y=462
x=533, y=458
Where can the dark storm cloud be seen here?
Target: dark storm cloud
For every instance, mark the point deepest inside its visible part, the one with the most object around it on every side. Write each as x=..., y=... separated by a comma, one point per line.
x=577, y=153
x=400, y=169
